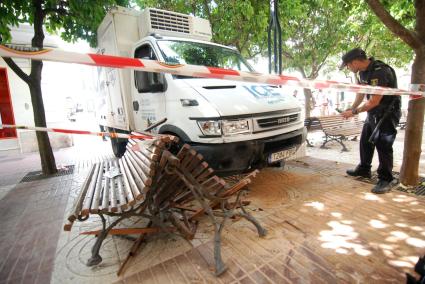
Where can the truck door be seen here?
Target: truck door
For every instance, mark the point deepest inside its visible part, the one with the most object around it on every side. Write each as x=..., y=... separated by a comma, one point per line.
x=148, y=92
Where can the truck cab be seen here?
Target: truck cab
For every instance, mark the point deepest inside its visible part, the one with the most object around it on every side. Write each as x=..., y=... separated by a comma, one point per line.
x=236, y=126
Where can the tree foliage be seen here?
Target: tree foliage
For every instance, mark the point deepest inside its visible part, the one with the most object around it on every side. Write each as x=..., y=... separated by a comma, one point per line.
x=242, y=24
x=368, y=32
x=72, y=19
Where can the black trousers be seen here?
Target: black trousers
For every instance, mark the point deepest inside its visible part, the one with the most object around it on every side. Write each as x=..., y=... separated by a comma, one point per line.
x=383, y=143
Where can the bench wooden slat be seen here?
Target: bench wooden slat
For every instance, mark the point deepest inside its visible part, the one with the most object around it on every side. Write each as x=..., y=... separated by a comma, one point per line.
x=353, y=126
x=155, y=149
x=201, y=168
x=144, y=170
x=168, y=188
x=183, y=151
x=342, y=125
x=188, y=158
x=146, y=153
x=128, y=192
x=343, y=128
x=210, y=181
x=215, y=187
x=112, y=190
x=132, y=182
x=196, y=162
x=344, y=133
x=204, y=175
x=122, y=193
x=141, y=183
x=166, y=183
x=94, y=208
x=80, y=199
x=146, y=161
x=105, y=194
x=89, y=196
x=141, y=178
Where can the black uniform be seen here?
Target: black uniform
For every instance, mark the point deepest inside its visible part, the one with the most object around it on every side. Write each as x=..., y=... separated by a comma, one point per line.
x=380, y=74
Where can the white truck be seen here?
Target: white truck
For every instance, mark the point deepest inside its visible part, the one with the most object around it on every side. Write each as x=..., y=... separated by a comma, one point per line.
x=236, y=126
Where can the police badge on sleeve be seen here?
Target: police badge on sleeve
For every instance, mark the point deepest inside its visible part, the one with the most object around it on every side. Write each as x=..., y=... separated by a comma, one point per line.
x=374, y=82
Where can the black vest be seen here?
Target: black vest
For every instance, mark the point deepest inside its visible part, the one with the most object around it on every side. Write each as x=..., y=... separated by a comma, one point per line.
x=386, y=77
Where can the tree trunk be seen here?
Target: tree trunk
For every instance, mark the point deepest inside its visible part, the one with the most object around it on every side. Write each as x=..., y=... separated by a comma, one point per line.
x=308, y=102
x=48, y=164
x=414, y=126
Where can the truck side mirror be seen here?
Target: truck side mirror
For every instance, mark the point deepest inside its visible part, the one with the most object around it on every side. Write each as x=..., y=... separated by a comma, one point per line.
x=150, y=82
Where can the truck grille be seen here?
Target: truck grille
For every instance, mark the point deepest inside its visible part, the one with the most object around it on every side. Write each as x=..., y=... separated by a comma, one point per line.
x=169, y=21
x=277, y=121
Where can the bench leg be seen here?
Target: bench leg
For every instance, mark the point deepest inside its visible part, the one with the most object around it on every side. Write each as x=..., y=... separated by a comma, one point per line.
x=220, y=268
x=308, y=143
x=261, y=231
x=238, y=203
x=96, y=258
x=324, y=143
x=195, y=188
x=344, y=149
x=183, y=227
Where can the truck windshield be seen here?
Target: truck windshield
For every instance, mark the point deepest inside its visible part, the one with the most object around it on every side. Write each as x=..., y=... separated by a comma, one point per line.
x=195, y=53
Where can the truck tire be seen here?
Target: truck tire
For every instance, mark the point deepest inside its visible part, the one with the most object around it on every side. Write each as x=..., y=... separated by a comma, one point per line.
x=118, y=146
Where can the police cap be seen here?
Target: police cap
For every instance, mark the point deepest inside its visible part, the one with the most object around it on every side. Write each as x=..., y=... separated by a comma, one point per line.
x=355, y=53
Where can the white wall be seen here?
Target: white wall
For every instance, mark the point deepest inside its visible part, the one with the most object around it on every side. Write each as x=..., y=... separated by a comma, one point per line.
x=59, y=81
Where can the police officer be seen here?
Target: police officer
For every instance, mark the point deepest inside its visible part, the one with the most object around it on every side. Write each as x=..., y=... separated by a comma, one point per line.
x=376, y=73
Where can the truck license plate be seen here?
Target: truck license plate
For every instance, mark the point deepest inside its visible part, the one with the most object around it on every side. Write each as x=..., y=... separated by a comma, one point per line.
x=281, y=155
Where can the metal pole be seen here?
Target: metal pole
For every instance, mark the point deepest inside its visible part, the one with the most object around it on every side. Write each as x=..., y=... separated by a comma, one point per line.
x=269, y=43
x=274, y=25
x=279, y=34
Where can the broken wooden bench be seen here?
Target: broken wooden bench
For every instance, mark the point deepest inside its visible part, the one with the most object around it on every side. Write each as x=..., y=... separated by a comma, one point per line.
x=171, y=192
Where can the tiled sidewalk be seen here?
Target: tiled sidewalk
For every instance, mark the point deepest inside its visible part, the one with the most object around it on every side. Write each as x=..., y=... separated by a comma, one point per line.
x=31, y=213
x=31, y=216
x=31, y=220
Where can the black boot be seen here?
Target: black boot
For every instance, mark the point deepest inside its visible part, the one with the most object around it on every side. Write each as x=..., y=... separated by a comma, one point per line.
x=359, y=172
x=382, y=186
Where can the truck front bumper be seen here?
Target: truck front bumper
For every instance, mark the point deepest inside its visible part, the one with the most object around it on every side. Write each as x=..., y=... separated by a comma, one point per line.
x=238, y=157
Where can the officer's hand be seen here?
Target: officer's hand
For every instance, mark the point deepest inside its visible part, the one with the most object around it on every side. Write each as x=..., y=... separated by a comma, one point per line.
x=347, y=114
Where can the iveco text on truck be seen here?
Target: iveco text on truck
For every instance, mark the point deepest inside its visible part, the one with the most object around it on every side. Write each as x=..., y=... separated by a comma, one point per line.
x=236, y=126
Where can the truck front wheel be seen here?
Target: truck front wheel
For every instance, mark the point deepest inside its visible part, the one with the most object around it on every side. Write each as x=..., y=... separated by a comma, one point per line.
x=118, y=146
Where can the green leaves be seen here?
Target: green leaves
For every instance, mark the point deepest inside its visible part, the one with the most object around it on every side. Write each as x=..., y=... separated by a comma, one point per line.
x=313, y=31
x=367, y=31
x=242, y=24
x=73, y=19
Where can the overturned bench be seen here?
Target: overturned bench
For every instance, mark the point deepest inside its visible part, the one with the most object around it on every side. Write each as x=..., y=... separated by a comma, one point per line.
x=337, y=128
x=171, y=192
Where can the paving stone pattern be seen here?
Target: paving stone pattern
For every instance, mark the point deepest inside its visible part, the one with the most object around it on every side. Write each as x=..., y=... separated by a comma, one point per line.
x=323, y=228
x=31, y=220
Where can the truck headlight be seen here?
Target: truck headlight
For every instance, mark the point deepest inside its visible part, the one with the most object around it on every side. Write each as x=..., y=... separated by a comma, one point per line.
x=210, y=127
x=231, y=127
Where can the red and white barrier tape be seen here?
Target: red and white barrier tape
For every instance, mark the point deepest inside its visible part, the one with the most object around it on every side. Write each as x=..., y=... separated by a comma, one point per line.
x=70, y=131
x=197, y=71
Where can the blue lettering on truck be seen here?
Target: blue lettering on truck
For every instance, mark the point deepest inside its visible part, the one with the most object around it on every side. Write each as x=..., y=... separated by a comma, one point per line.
x=265, y=93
